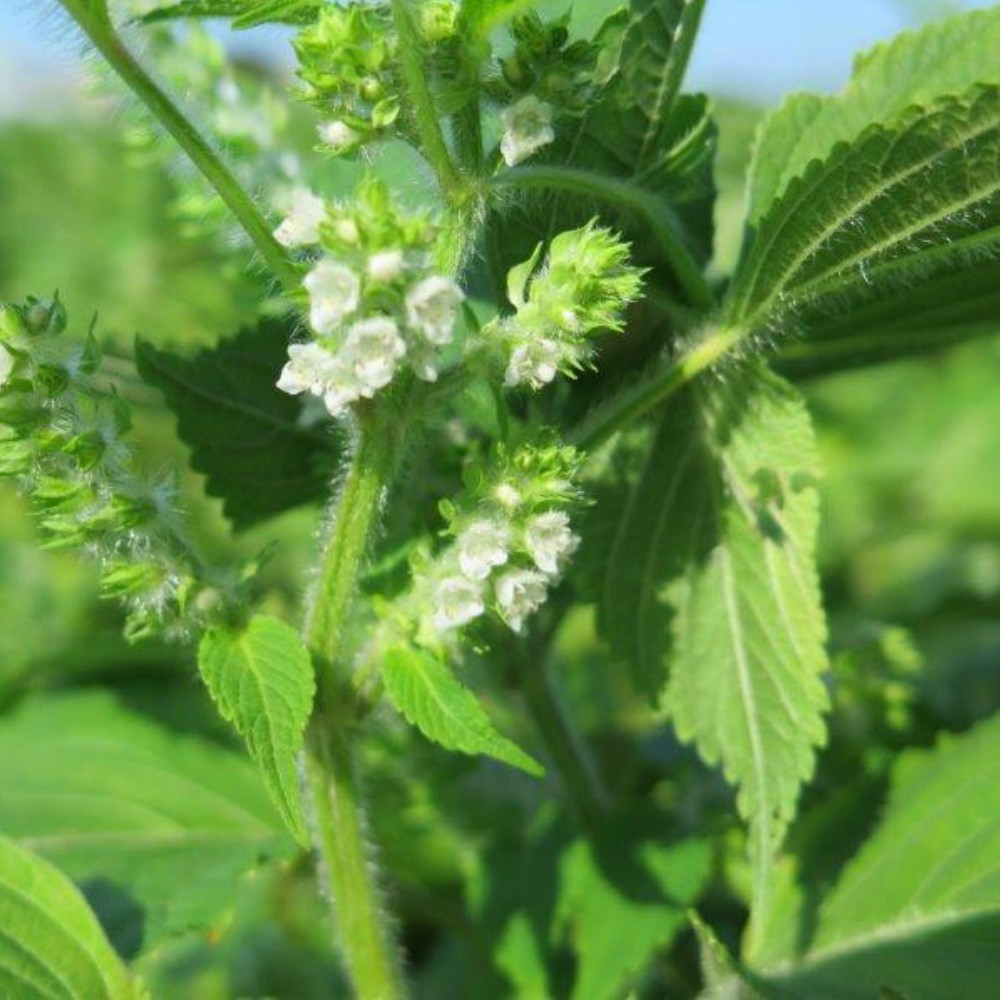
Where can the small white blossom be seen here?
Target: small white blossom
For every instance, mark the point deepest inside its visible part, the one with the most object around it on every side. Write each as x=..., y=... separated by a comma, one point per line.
x=341, y=388
x=535, y=363
x=347, y=230
x=307, y=369
x=520, y=593
x=301, y=226
x=372, y=348
x=334, y=292
x=457, y=602
x=482, y=546
x=507, y=496
x=6, y=365
x=550, y=541
x=423, y=362
x=431, y=308
x=527, y=126
x=338, y=135
x=386, y=265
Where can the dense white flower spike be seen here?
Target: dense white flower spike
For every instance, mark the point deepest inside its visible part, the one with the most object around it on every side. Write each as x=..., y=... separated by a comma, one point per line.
x=386, y=266
x=334, y=293
x=432, y=306
x=519, y=594
x=550, y=541
x=6, y=365
x=527, y=127
x=307, y=369
x=301, y=226
x=338, y=135
x=482, y=546
x=372, y=348
x=534, y=363
x=458, y=601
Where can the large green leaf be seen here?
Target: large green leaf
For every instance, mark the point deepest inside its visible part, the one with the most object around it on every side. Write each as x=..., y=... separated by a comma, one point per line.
x=110, y=797
x=916, y=913
x=51, y=945
x=431, y=697
x=947, y=58
x=712, y=578
x=261, y=678
x=245, y=436
x=896, y=209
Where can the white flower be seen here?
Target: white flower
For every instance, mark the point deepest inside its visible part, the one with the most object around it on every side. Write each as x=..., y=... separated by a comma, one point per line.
x=372, y=348
x=334, y=292
x=386, y=265
x=338, y=135
x=301, y=226
x=527, y=126
x=457, y=602
x=307, y=369
x=6, y=365
x=534, y=363
x=481, y=546
x=431, y=307
x=520, y=593
x=550, y=541
x=341, y=388
x=507, y=496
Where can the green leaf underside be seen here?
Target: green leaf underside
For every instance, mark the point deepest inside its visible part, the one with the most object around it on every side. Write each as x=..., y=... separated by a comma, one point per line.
x=917, y=910
x=245, y=435
x=712, y=578
x=430, y=697
x=261, y=679
x=51, y=944
x=946, y=58
x=897, y=208
x=623, y=900
x=108, y=796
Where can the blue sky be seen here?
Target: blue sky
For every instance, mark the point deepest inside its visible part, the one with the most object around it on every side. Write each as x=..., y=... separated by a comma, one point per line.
x=758, y=49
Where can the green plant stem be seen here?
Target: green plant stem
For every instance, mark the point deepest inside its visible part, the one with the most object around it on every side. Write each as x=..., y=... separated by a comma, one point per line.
x=346, y=860
x=618, y=412
x=93, y=19
x=421, y=101
x=564, y=744
x=658, y=215
x=348, y=866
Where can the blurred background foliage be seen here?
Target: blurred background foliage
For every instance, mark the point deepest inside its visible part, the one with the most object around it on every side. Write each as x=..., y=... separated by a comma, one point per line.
x=910, y=555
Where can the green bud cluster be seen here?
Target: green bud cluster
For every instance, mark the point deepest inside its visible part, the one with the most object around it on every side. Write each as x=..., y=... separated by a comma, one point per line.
x=547, y=64
x=348, y=60
x=582, y=288
x=62, y=442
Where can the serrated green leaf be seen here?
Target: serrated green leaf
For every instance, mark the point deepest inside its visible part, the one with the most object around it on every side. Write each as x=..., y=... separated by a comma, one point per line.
x=712, y=578
x=917, y=911
x=110, y=797
x=430, y=697
x=624, y=895
x=261, y=679
x=245, y=436
x=897, y=208
x=946, y=58
x=245, y=13
x=51, y=945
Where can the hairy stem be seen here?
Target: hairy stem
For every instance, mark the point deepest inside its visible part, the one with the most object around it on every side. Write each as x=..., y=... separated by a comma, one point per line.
x=346, y=861
x=568, y=751
x=421, y=101
x=93, y=19
x=637, y=400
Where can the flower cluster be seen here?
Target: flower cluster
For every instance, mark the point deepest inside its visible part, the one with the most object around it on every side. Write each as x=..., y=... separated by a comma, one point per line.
x=582, y=289
x=347, y=60
x=511, y=541
x=374, y=304
x=62, y=441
